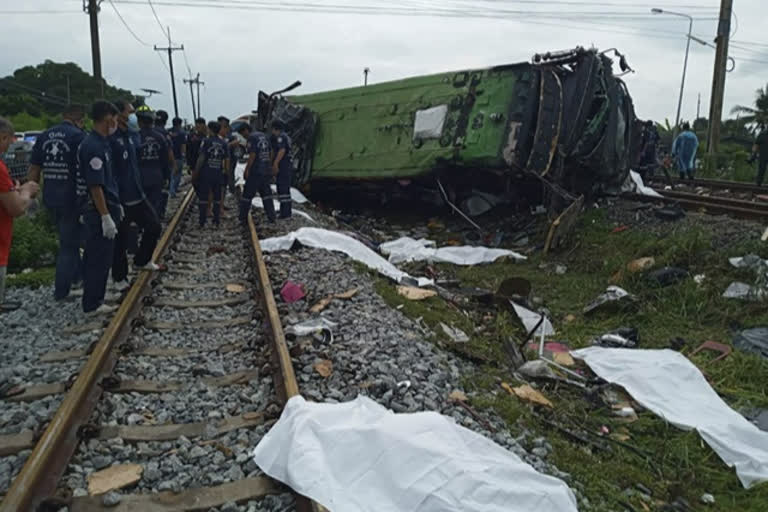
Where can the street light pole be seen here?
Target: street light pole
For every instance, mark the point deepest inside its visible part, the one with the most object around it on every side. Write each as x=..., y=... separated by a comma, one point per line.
x=685, y=65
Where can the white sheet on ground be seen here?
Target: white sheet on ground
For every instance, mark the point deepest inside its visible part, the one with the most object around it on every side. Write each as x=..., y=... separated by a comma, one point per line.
x=635, y=184
x=530, y=319
x=334, y=241
x=668, y=384
x=407, y=249
x=360, y=457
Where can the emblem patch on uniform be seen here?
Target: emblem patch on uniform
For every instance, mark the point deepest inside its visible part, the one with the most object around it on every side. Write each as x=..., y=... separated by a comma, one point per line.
x=279, y=139
x=125, y=155
x=96, y=163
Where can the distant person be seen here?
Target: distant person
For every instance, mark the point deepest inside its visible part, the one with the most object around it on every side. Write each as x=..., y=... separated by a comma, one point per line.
x=135, y=204
x=649, y=151
x=14, y=201
x=684, y=150
x=257, y=177
x=211, y=165
x=282, y=168
x=54, y=157
x=179, y=145
x=194, y=139
x=225, y=132
x=154, y=164
x=99, y=203
x=760, y=151
x=161, y=119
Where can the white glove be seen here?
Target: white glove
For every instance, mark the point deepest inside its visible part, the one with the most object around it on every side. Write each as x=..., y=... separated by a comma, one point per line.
x=108, y=227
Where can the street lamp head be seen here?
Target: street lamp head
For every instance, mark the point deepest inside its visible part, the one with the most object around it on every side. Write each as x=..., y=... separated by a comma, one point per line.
x=656, y=10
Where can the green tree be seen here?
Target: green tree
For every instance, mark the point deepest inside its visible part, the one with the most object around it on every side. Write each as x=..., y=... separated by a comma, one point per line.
x=757, y=115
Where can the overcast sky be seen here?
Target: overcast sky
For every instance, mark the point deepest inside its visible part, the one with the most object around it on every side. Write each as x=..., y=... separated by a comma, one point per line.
x=237, y=52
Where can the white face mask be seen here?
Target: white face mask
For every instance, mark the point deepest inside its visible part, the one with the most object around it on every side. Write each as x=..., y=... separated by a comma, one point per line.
x=133, y=123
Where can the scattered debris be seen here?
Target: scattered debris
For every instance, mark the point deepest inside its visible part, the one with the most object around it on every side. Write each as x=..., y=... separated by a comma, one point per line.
x=669, y=213
x=458, y=395
x=319, y=324
x=759, y=417
x=627, y=413
x=235, y=288
x=613, y=298
x=527, y=394
x=114, y=477
x=723, y=350
x=668, y=384
x=753, y=341
x=537, y=370
x=536, y=323
x=744, y=291
x=707, y=499
x=324, y=367
x=623, y=337
x=324, y=303
x=560, y=269
x=413, y=293
x=515, y=289
x=405, y=250
x=764, y=238
x=634, y=183
x=667, y=276
x=641, y=264
x=751, y=261
x=436, y=469
x=292, y=292
x=569, y=319
x=456, y=335
x=699, y=279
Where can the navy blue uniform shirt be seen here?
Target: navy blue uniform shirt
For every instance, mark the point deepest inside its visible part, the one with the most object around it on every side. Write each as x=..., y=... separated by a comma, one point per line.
x=214, y=152
x=94, y=159
x=283, y=141
x=178, y=139
x=126, y=168
x=194, y=140
x=55, y=151
x=153, y=158
x=258, y=143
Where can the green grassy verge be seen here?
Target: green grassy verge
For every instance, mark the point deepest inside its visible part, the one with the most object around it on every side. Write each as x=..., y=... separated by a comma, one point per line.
x=38, y=277
x=669, y=462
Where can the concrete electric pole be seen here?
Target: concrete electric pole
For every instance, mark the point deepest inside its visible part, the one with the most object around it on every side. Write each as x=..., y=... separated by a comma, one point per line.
x=170, y=49
x=366, y=71
x=195, y=81
x=718, y=80
x=92, y=8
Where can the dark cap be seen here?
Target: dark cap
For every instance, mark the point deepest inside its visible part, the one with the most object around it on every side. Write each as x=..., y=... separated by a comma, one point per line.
x=161, y=115
x=278, y=125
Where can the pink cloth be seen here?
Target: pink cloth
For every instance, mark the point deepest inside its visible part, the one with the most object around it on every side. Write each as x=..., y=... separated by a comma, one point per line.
x=292, y=292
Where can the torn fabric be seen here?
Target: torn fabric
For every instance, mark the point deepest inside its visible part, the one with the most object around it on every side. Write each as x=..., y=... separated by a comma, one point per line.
x=668, y=384
x=635, y=184
x=334, y=241
x=406, y=249
x=531, y=319
x=360, y=457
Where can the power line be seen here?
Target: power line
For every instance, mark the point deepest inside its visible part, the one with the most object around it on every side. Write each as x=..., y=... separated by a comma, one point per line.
x=159, y=23
x=39, y=12
x=186, y=62
x=125, y=23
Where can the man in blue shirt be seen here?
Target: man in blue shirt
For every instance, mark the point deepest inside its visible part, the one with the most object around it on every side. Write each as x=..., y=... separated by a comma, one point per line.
x=135, y=204
x=99, y=204
x=179, y=145
x=161, y=118
x=282, y=167
x=194, y=139
x=210, y=167
x=257, y=176
x=54, y=155
x=154, y=164
x=684, y=149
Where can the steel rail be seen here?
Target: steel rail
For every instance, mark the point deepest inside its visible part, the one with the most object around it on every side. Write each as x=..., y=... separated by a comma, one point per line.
x=718, y=200
x=711, y=207
x=717, y=184
x=46, y=464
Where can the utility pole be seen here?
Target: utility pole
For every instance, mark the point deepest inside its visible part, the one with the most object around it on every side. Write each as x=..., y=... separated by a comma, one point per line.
x=193, y=81
x=199, y=83
x=170, y=49
x=698, y=108
x=718, y=80
x=192, y=96
x=92, y=8
x=365, y=72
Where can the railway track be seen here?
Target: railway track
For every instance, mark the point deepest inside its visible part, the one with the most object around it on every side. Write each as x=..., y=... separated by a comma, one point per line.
x=734, y=186
x=189, y=374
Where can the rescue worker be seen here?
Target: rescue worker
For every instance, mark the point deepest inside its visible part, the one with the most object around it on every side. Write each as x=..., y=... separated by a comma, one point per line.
x=256, y=175
x=282, y=167
x=54, y=155
x=179, y=146
x=232, y=143
x=99, y=203
x=136, y=208
x=161, y=118
x=649, y=150
x=684, y=150
x=154, y=165
x=760, y=152
x=210, y=167
x=194, y=139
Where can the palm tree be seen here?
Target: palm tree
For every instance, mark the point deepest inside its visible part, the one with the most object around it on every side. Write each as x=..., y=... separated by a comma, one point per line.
x=757, y=115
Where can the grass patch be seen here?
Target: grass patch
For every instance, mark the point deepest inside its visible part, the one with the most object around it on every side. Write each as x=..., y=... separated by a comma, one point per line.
x=669, y=462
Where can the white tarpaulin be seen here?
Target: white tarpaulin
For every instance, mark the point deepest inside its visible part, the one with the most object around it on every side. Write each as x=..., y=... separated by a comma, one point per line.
x=668, y=384
x=360, y=457
x=334, y=241
x=635, y=184
x=407, y=249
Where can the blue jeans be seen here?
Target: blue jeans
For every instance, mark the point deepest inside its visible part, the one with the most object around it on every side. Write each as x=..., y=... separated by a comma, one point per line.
x=69, y=265
x=97, y=261
x=176, y=177
x=284, y=192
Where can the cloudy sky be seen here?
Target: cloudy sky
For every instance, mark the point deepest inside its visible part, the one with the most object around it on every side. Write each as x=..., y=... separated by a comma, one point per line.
x=241, y=46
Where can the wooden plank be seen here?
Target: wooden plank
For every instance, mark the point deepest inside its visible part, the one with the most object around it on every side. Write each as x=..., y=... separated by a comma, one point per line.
x=82, y=328
x=140, y=433
x=177, y=258
x=207, y=324
x=182, y=285
x=185, y=271
x=32, y=393
x=203, y=498
x=14, y=443
x=229, y=380
x=62, y=355
x=145, y=386
x=114, y=477
x=215, y=303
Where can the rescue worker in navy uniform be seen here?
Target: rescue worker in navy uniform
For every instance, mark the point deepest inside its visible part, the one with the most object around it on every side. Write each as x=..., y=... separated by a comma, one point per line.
x=211, y=166
x=99, y=203
x=154, y=164
x=282, y=167
x=231, y=140
x=194, y=139
x=135, y=205
x=179, y=146
x=55, y=156
x=161, y=118
x=256, y=175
